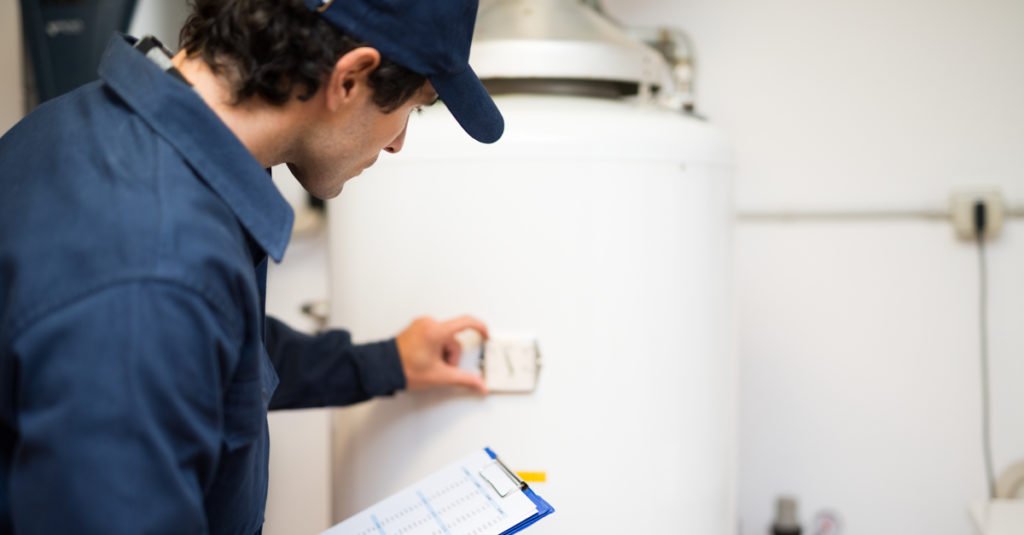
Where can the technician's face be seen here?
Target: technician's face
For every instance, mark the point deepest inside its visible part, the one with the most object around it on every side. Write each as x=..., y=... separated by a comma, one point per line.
x=340, y=146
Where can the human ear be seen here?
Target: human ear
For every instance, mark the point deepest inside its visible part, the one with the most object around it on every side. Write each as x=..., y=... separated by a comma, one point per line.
x=350, y=76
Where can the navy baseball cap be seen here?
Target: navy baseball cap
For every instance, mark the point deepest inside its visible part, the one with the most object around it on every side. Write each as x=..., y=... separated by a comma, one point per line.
x=428, y=37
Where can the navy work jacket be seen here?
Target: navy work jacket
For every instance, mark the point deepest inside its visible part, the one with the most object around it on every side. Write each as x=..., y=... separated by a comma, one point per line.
x=136, y=363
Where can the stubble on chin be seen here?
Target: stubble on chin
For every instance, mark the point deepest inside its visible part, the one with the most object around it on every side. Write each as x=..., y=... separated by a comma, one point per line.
x=317, y=184
x=335, y=187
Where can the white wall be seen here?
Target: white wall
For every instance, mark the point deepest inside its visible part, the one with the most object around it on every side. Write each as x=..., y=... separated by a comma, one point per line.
x=12, y=98
x=160, y=18
x=877, y=102
x=859, y=379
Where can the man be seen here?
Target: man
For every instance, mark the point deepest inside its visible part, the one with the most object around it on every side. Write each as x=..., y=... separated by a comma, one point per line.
x=136, y=217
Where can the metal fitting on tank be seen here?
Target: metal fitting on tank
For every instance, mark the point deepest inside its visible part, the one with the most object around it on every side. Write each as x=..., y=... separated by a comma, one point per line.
x=786, y=518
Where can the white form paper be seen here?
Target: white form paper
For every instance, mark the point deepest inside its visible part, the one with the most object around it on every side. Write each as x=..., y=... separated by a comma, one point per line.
x=456, y=500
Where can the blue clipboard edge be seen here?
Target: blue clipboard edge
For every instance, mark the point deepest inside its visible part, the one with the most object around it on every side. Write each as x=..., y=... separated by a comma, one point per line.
x=543, y=508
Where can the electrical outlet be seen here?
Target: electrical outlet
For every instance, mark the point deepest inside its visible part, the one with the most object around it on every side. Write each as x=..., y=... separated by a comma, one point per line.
x=961, y=207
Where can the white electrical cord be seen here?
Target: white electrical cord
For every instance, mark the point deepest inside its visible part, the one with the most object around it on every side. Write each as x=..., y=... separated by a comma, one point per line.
x=986, y=413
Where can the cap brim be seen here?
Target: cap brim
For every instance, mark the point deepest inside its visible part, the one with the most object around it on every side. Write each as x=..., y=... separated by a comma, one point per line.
x=468, y=101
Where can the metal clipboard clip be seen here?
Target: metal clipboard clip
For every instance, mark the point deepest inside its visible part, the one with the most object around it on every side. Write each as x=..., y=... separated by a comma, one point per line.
x=501, y=479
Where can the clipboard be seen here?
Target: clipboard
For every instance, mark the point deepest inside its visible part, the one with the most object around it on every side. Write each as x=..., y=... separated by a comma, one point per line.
x=477, y=494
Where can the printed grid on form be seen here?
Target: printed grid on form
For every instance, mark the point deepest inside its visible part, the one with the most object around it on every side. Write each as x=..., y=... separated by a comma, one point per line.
x=452, y=501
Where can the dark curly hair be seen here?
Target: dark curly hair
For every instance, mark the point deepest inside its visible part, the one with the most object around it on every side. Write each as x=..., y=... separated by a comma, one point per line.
x=268, y=48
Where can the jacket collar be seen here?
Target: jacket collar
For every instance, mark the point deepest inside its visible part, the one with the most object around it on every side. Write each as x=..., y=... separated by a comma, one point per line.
x=179, y=115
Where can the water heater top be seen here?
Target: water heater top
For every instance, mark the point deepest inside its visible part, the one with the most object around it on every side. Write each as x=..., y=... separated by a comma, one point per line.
x=560, y=40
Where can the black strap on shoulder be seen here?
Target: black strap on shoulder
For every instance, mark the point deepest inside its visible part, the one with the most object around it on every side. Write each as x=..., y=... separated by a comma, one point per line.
x=152, y=48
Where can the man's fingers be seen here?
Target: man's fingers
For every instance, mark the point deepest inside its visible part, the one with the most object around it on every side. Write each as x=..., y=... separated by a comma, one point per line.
x=458, y=377
x=453, y=326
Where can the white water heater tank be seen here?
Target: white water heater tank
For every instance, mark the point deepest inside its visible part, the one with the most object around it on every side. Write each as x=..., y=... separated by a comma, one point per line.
x=602, y=228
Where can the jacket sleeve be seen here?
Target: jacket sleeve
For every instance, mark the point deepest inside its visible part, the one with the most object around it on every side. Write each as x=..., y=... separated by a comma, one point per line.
x=327, y=369
x=120, y=419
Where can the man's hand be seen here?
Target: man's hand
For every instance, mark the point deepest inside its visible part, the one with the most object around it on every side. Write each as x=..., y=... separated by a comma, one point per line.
x=430, y=353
